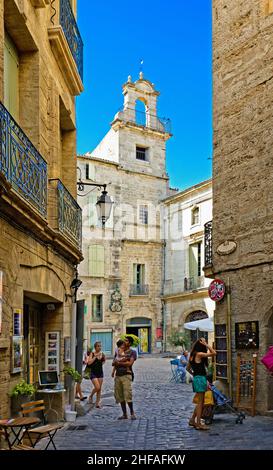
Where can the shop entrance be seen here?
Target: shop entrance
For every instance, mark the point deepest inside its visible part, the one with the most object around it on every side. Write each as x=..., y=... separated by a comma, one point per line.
x=141, y=327
x=32, y=340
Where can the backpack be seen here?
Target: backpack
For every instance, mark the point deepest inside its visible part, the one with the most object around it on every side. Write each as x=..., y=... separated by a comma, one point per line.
x=267, y=360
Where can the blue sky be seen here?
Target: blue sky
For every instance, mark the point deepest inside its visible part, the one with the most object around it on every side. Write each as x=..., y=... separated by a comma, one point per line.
x=174, y=40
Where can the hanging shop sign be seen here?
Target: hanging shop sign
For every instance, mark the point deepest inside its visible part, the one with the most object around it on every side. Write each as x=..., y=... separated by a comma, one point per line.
x=217, y=290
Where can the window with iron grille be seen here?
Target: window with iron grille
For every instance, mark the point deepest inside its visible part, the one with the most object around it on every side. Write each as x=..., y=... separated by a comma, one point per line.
x=143, y=215
x=97, y=308
x=142, y=153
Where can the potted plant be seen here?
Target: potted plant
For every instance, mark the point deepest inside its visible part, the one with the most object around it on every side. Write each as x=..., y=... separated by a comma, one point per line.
x=21, y=393
x=179, y=338
x=71, y=377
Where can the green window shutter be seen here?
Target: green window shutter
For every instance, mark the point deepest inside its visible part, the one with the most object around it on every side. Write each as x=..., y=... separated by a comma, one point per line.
x=96, y=260
x=92, y=172
x=94, y=306
x=92, y=211
x=193, y=260
x=100, y=262
x=11, y=78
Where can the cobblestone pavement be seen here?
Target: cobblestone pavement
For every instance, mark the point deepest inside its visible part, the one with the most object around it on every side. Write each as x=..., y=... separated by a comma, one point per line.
x=162, y=409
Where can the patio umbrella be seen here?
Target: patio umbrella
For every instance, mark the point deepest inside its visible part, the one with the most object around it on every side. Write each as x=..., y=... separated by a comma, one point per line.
x=206, y=324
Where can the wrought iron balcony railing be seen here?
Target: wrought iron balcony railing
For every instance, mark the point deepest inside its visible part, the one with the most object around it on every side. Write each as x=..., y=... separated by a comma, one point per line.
x=69, y=215
x=22, y=164
x=139, y=289
x=193, y=283
x=208, y=243
x=72, y=33
x=144, y=119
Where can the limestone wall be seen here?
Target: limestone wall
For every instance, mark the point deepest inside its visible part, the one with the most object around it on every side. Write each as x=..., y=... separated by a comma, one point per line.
x=242, y=168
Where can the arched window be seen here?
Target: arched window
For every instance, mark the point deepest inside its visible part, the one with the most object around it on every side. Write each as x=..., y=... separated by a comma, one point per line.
x=194, y=316
x=141, y=115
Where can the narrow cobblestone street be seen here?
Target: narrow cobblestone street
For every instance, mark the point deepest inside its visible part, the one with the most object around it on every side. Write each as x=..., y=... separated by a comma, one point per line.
x=162, y=409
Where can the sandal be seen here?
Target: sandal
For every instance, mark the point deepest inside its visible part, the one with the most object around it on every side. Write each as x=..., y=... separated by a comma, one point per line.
x=201, y=427
x=192, y=422
x=123, y=417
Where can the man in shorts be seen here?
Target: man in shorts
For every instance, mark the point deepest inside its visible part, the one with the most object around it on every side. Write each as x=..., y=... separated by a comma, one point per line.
x=123, y=380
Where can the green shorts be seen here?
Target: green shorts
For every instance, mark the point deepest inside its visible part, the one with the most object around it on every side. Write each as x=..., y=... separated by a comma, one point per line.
x=199, y=384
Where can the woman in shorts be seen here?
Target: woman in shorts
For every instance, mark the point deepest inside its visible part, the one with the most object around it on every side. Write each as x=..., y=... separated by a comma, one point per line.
x=96, y=360
x=197, y=363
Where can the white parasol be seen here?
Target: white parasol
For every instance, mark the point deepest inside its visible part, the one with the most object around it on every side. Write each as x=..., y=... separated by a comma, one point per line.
x=206, y=324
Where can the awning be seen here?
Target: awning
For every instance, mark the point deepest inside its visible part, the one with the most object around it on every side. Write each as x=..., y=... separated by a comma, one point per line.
x=203, y=325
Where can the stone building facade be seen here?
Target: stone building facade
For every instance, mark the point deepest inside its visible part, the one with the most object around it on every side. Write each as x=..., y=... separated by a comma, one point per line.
x=185, y=287
x=122, y=267
x=242, y=234
x=40, y=220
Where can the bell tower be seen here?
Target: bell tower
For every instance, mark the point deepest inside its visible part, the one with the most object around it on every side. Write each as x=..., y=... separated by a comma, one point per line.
x=142, y=90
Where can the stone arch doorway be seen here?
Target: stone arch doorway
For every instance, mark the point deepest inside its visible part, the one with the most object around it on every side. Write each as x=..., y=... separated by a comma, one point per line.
x=193, y=316
x=142, y=328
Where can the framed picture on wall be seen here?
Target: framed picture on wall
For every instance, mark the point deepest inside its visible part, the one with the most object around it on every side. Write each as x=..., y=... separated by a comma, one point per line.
x=247, y=335
x=17, y=354
x=67, y=349
x=52, y=351
x=17, y=322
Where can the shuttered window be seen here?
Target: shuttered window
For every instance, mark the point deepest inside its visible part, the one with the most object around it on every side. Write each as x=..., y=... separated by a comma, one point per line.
x=139, y=274
x=97, y=311
x=96, y=260
x=195, y=260
x=90, y=171
x=11, y=78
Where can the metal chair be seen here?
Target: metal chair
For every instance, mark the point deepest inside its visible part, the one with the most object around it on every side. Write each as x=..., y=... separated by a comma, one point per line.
x=174, y=369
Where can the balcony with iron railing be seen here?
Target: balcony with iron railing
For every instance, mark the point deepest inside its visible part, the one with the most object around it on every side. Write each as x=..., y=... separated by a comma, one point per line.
x=67, y=44
x=143, y=120
x=65, y=213
x=193, y=283
x=21, y=164
x=139, y=289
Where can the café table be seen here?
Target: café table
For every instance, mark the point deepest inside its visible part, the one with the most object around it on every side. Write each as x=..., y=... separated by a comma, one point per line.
x=16, y=426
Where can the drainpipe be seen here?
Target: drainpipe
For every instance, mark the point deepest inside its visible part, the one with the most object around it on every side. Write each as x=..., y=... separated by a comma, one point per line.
x=163, y=284
x=73, y=348
x=229, y=342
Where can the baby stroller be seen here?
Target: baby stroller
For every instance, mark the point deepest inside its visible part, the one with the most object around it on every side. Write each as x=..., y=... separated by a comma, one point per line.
x=220, y=401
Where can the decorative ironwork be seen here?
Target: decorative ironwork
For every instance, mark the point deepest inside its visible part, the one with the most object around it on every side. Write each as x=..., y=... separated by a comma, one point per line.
x=195, y=282
x=139, y=289
x=69, y=215
x=72, y=33
x=22, y=164
x=208, y=243
x=116, y=300
x=145, y=119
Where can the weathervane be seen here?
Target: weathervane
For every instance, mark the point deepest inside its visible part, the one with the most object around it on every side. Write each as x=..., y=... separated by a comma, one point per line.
x=141, y=62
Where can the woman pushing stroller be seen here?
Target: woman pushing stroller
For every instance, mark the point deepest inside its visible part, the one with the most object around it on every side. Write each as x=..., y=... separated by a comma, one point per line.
x=198, y=362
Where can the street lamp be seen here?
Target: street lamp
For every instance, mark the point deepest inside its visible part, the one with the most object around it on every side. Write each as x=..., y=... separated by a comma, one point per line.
x=104, y=203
